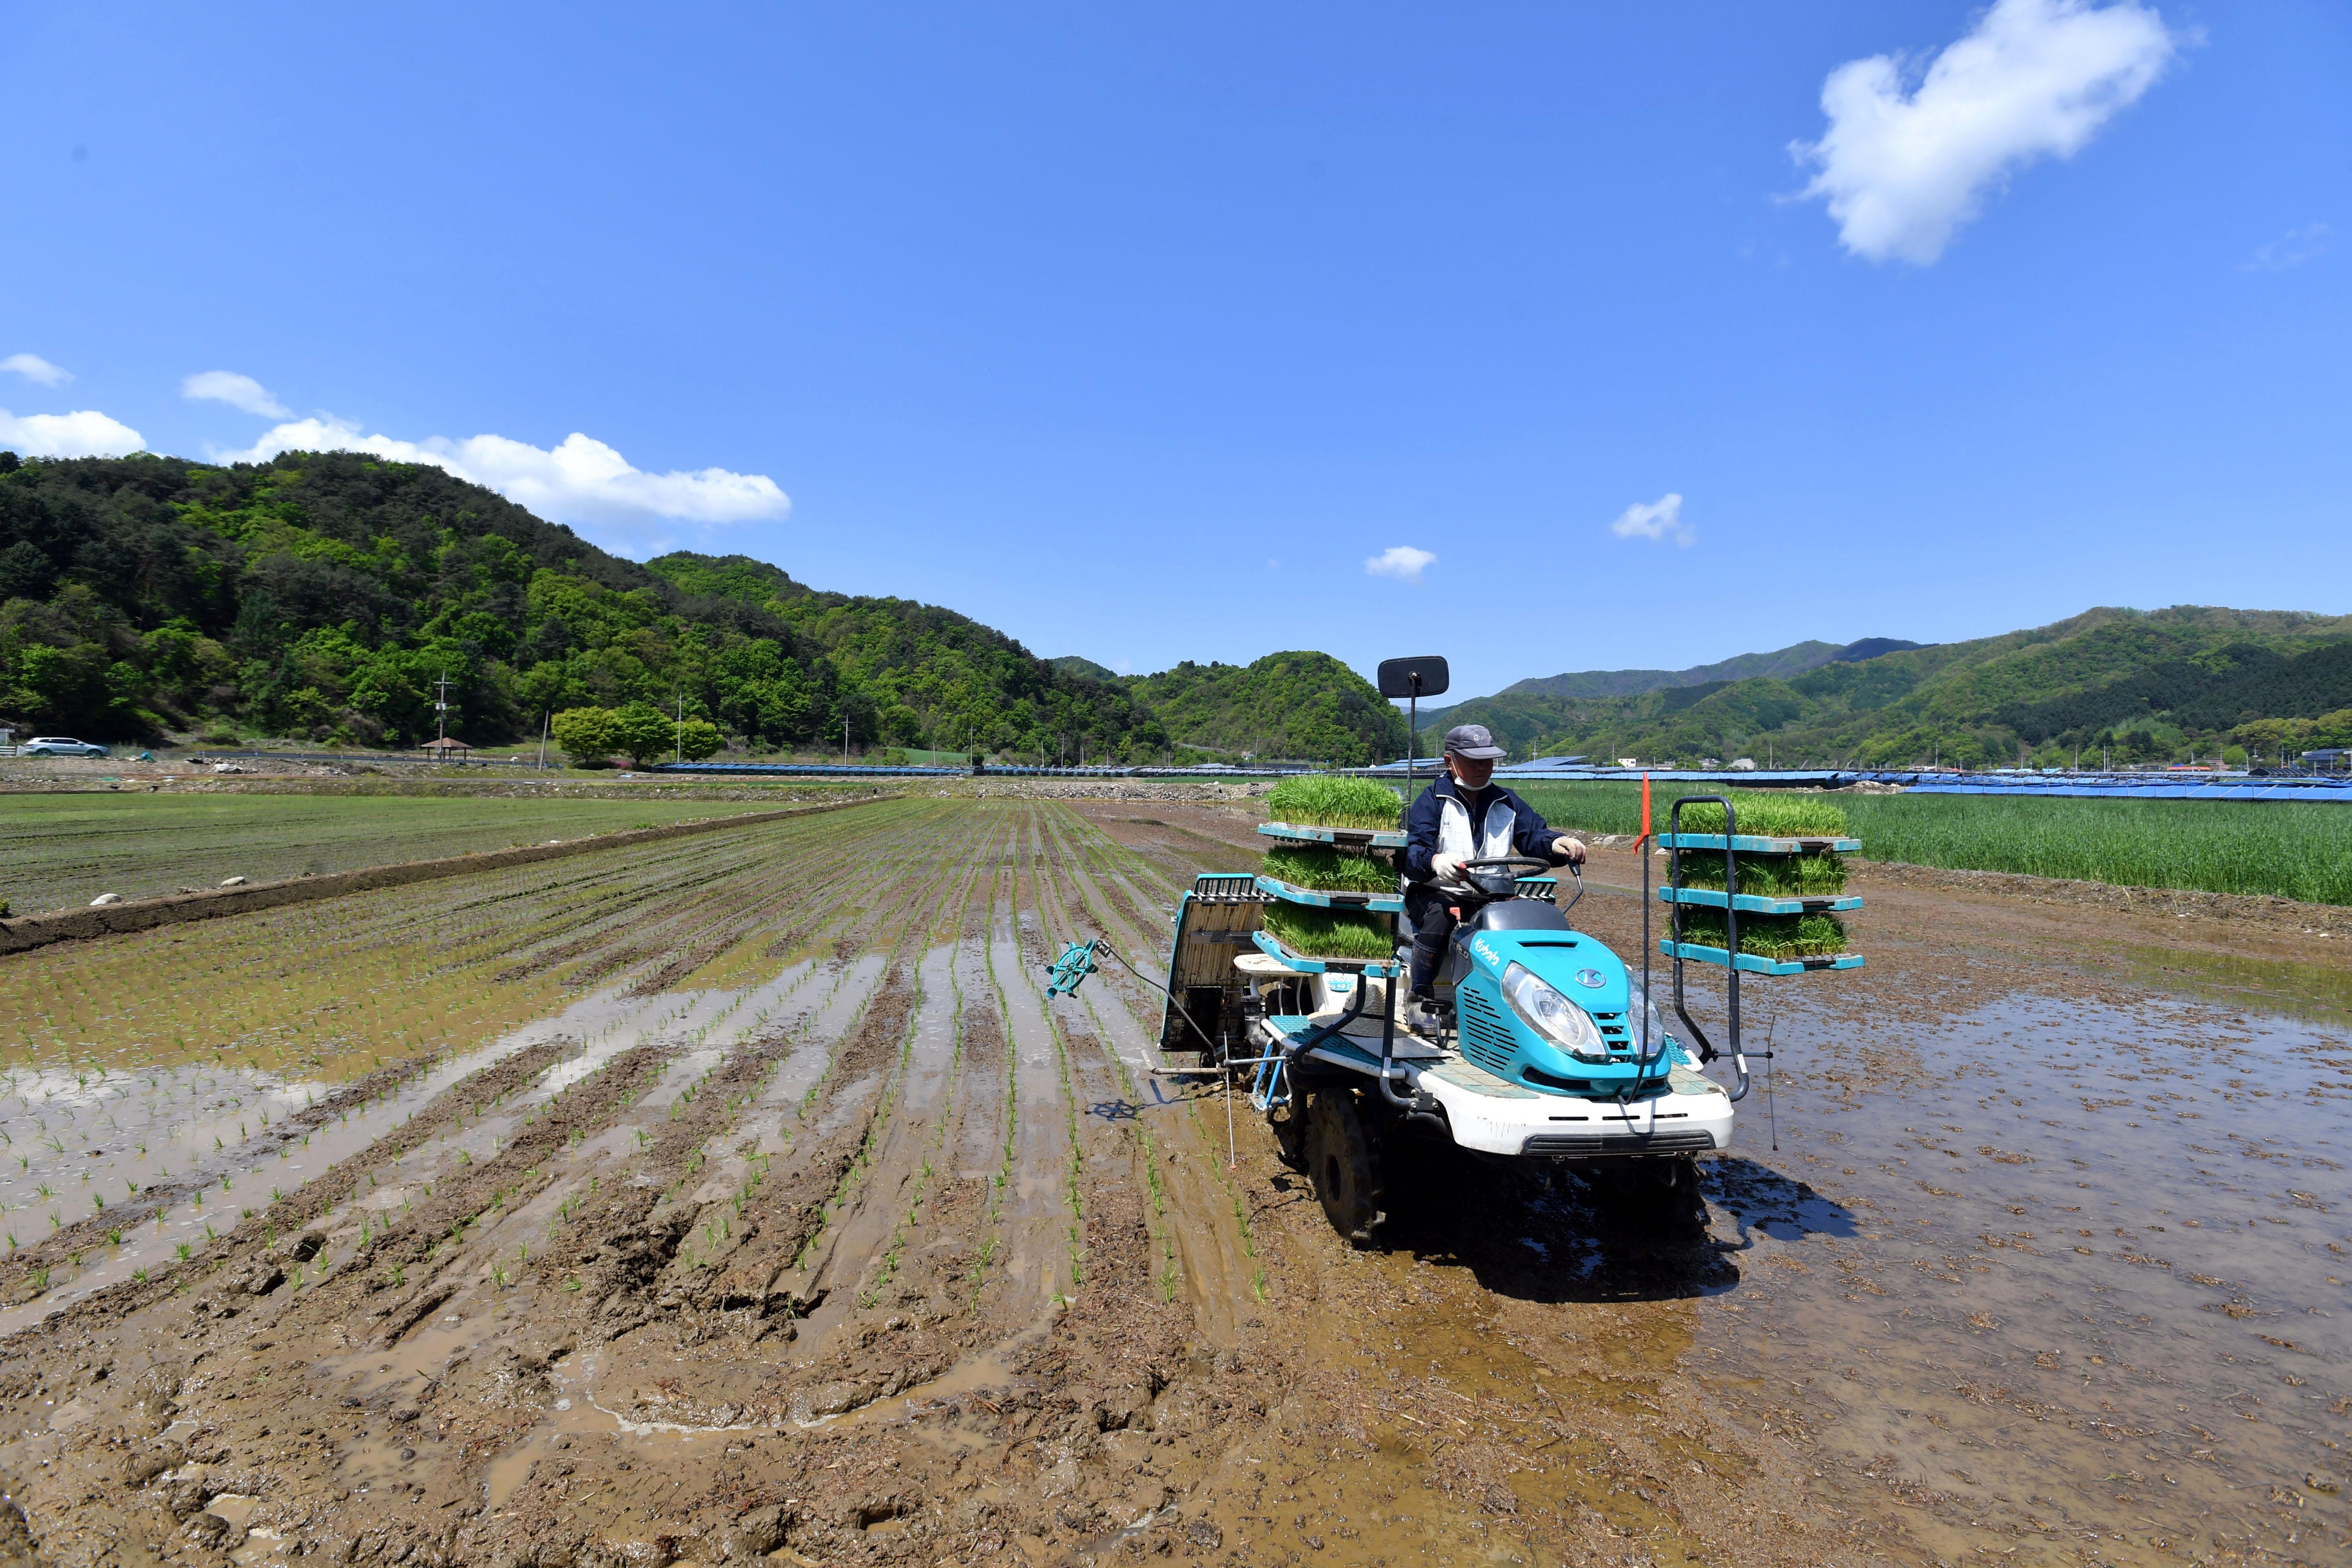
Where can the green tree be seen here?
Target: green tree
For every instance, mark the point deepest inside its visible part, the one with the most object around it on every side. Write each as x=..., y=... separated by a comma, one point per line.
x=642, y=731
x=698, y=738
x=586, y=736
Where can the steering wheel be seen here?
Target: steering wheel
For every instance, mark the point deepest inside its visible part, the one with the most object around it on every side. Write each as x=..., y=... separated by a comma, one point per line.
x=1494, y=875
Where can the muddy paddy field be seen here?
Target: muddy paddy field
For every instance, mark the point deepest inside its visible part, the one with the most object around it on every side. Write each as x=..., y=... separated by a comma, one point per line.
x=742, y=1195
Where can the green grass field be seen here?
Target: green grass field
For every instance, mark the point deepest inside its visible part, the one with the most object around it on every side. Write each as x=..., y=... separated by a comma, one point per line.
x=58, y=851
x=2293, y=851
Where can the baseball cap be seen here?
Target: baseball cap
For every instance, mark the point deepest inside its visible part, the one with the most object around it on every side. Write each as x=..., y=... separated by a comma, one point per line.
x=1471, y=741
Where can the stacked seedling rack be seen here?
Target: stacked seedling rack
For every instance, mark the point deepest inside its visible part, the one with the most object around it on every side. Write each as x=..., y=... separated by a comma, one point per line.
x=1331, y=906
x=1787, y=890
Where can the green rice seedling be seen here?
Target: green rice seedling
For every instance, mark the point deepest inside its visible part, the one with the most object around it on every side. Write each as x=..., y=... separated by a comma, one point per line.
x=1318, y=800
x=1329, y=870
x=1327, y=933
x=1764, y=815
x=1816, y=876
x=1767, y=936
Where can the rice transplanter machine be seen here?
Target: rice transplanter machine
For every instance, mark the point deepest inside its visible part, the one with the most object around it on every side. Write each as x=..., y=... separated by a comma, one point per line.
x=1548, y=1047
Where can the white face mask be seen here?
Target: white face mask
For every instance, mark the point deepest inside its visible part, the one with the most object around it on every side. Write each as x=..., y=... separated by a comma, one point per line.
x=1471, y=772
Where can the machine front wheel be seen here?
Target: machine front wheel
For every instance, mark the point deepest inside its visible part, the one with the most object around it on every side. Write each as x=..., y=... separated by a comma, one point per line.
x=1341, y=1163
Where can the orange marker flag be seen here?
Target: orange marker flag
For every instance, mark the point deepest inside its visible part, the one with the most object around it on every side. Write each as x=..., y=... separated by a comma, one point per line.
x=1646, y=810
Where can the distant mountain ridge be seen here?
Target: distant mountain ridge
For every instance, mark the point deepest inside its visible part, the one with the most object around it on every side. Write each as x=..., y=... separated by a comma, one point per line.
x=2129, y=685
x=1794, y=659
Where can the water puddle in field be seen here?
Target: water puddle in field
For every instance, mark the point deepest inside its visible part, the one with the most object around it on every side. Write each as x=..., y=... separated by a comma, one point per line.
x=2311, y=993
x=2095, y=1280
x=217, y=1144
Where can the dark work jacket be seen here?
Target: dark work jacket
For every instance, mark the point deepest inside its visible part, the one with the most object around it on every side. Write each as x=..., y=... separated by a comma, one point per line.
x=1528, y=834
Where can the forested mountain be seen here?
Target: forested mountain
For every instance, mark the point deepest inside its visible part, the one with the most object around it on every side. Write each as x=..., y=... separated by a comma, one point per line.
x=1307, y=706
x=2138, y=686
x=322, y=595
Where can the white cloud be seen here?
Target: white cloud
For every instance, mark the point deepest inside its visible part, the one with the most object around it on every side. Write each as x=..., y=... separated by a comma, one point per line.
x=33, y=367
x=582, y=481
x=1660, y=520
x=1402, y=562
x=2292, y=249
x=2035, y=78
x=86, y=433
x=236, y=391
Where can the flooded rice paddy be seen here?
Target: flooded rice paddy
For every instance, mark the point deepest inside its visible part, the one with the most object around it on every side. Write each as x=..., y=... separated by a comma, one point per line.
x=745, y=1196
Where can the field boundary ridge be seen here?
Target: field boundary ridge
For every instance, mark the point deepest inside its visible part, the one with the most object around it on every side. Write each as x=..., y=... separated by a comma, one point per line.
x=26, y=933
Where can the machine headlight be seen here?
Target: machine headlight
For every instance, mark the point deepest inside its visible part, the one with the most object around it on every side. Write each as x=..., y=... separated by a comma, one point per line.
x=1552, y=1015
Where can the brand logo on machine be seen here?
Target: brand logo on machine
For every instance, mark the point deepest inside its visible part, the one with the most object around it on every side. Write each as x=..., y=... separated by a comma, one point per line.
x=1590, y=978
x=1485, y=949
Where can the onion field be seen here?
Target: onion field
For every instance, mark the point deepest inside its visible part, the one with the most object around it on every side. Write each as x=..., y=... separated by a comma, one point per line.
x=2287, y=850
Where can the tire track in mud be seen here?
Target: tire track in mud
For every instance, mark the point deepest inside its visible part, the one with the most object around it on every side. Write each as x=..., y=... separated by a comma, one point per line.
x=1198, y=1221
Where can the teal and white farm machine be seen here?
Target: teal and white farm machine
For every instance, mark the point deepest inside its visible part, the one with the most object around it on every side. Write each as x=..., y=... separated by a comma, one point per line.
x=1546, y=1046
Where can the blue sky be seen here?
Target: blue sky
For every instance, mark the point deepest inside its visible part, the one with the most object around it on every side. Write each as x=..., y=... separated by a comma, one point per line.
x=1139, y=335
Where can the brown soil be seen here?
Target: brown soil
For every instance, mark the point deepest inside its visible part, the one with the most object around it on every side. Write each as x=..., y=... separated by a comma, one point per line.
x=889, y=1259
x=174, y=909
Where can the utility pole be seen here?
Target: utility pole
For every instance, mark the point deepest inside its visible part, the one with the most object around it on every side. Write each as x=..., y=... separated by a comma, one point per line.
x=546, y=722
x=679, y=755
x=844, y=739
x=441, y=710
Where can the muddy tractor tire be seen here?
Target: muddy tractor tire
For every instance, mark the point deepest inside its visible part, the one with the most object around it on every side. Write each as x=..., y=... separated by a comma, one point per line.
x=1341, y=1163
x=1288, y=1120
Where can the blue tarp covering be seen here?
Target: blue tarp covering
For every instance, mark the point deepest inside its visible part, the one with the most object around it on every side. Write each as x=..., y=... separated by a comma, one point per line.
x=2103, y=786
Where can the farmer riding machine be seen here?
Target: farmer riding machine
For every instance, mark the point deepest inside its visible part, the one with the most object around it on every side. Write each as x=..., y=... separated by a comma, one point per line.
x=1546, y=1047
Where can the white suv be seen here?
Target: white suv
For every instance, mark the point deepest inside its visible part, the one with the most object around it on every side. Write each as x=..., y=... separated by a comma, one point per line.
x=61, y=746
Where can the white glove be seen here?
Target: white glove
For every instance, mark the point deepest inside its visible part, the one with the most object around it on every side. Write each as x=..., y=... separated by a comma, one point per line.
x=1446, y=867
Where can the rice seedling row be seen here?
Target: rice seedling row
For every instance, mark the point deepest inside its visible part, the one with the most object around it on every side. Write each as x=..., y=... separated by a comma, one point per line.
x=59, y=851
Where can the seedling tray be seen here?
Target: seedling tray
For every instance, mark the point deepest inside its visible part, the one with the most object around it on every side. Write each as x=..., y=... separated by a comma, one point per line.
x=1760, y=903
x=1750, y=843
x=1378, y=969
x=1345, y=837
x=1749, y=963
x=1328, y=898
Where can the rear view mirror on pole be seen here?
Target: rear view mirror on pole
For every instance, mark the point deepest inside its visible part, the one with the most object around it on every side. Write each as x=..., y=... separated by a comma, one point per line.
x=1412, y=680
x=1412, y=677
